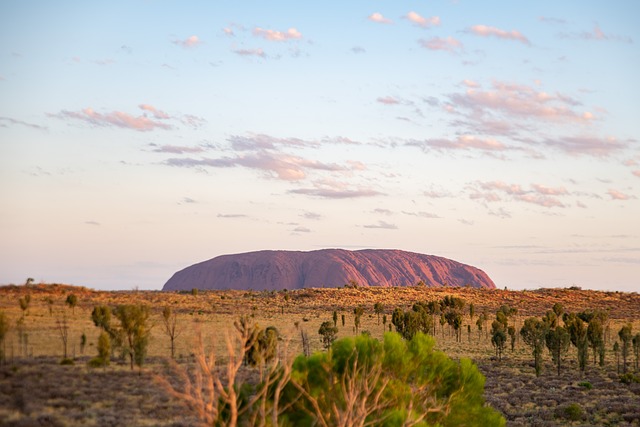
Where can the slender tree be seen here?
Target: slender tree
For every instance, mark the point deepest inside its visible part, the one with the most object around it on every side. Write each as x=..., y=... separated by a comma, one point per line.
x=170, y=322
x=498, y=338
x=135, y=329
x=626, y=337
x=578, y=333
x=558, y=340
x=636, y=349
x=329, y=333
x=534, y=333
x=595, y=336
x=72, y=301
x=4, y=328
x=378, y=308
x=63, y=329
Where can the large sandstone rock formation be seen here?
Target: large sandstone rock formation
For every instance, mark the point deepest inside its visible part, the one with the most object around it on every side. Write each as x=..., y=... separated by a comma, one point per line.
x=276, y=270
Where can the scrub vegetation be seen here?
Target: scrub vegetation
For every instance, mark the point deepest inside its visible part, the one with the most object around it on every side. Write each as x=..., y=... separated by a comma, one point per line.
x=406, y=356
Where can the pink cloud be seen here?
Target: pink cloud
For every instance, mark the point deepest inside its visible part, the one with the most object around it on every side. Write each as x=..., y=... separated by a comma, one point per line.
x=377, y=17
x=228, y=31
x=636, y=173
x=448, y=44
x=523, y=101
x=470, y=83
x=154, y=111
x=388, y=100
x=539, y=194
x=618, y=195
x=487, y=31
x=189, y=42
x=277, y=36
x=598, y=35
x=422, y=21
x=114, y=118
x=464, y=142
x=549, y=191
x=586, y=145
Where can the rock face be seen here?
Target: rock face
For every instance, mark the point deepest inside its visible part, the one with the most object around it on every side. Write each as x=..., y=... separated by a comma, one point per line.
x=277, y=270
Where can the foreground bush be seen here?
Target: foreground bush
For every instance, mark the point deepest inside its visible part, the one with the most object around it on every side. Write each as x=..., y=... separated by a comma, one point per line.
x=362, y=381
x=359, y=381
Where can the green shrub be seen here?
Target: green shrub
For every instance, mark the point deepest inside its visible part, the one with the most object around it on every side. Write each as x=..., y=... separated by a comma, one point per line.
x=66, y=361
x=585, y=384
x=629, y=378
x=571, y=412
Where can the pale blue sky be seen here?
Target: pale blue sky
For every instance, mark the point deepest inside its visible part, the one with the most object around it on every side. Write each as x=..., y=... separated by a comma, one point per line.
x=139, y=137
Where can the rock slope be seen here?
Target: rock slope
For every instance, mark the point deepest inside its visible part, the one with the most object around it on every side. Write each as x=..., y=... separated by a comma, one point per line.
x=277, y=270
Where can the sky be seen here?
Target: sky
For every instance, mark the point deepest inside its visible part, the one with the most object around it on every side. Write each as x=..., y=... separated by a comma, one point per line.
x=139, y=137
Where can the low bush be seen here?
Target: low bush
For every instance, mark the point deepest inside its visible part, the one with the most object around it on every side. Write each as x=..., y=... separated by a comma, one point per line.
x=571, y=412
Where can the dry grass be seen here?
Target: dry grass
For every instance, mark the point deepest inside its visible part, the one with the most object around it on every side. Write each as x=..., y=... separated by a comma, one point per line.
x=36, y=390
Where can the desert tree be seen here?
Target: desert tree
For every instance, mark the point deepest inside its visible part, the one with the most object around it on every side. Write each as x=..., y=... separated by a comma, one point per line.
x=472, y=311
x=534, y=333
x=63, y=330
x=636, y=349
x=170, y=323
x=578, y=333
x=49, y=302
x=23, y=302
x=214, y=392
x=4, y=329
x=557, y=340
x=263, y=346
x=135, y=327
x=595, y=336
x=72, y=301
x=397, y=319
x=378, y=309
x=335, y=318
x=357, y=314
x=558, y=310
x=328, y=334
x=616, y=351
x=511, y=330
x=384, y=322
x=29, y=281
x=626, y=336
x=498, y=337
x=343, y=318
x=83, y=342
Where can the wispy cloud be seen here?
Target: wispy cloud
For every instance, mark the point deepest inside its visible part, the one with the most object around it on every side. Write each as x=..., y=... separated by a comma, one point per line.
x=175, y=149
x=422, y=21
x=448, y=44
x=8, y=121
x=619, y=195
x=251, y=52
x=388, y=100
x=382, y=225
x=551, y=20
x=463, y=142
x=537, y=194
x=422, y=214
x=598, y=35
x=277, y=36
x=114, y=118
x=487, y=31
x=301, y=229
x=585, y=145
x=333, y=193
x=189, y=42
x=232, y=216
x=377, y=17
x=158, y=114
x=358, y=49
x=311, y=215
x=520, y=101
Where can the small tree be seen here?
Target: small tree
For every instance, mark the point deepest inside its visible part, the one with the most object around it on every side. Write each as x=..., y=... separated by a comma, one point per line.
x=626, y=337
x=24, y=304
x=616, y=351
x=498, y=338
x=72, y=301
x=533, y=333
x=49, y=301
x=511, y=330
x=378, y=308
x=4, y=328
x=595, y=336
x=63, y=330
x=329, y=333
x=343, y=318
x=636, y=349
x=170, y=322
x=135, y=328
x=335, y=318
x=558, y=341
x=357, y=313
x=578, y=333
x=263, y=346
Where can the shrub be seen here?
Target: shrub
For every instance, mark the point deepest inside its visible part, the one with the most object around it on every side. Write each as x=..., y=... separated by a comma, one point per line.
x=571, y=412
x=585, y=384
